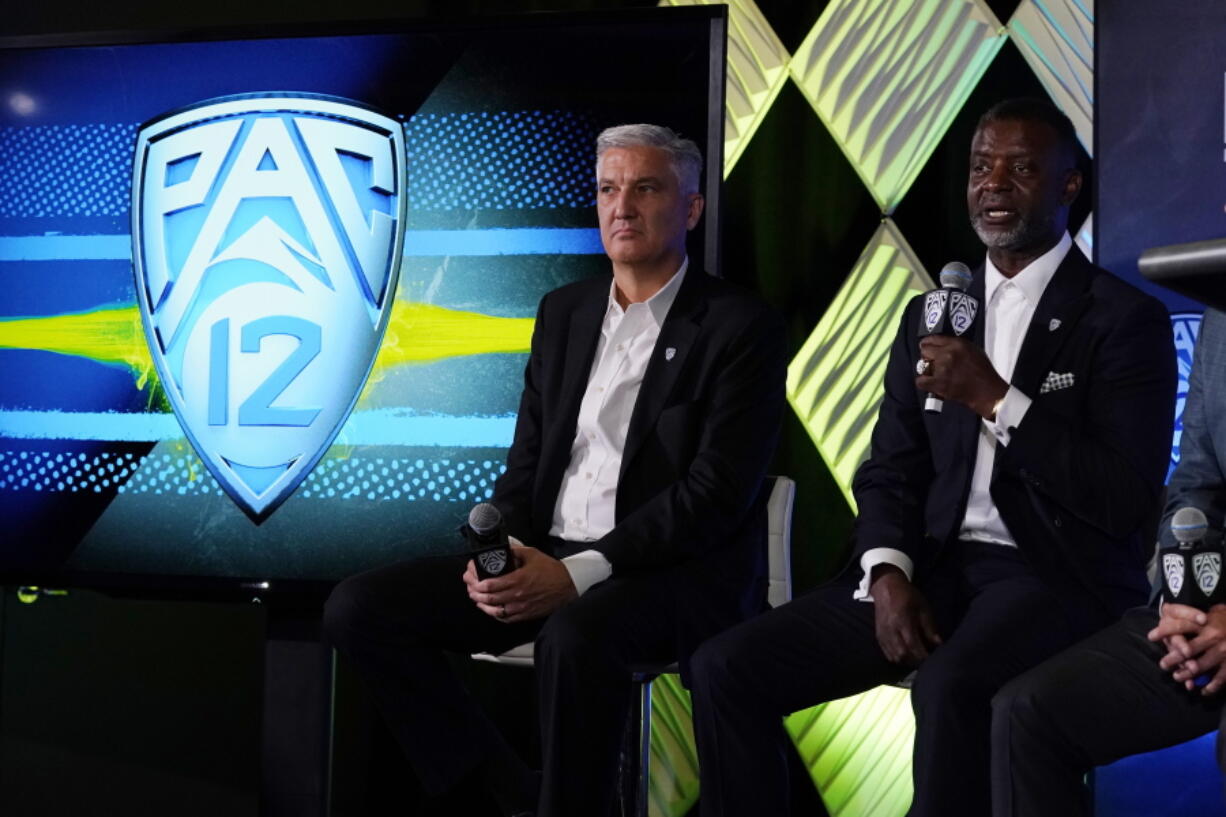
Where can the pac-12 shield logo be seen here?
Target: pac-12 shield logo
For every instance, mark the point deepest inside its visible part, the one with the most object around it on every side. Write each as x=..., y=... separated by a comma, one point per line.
x=267, y=232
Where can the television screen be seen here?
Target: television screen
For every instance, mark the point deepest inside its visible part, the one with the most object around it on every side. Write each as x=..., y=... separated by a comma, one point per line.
x=266, y=296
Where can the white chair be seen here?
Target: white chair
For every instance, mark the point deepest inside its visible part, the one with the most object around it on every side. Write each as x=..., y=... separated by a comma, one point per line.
x=634, y=770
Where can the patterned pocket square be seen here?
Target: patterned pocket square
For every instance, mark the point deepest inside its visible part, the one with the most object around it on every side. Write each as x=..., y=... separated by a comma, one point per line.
x=1056, y=381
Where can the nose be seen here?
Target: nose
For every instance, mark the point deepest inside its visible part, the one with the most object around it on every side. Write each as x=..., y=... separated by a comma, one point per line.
x=623, y=204
x=998, y=176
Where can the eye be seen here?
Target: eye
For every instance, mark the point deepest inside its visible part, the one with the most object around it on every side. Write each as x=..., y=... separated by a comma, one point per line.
x=605, y=189
x=647, y=188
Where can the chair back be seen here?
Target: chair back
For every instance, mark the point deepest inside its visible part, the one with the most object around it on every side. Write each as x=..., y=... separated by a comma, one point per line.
x=779, y=540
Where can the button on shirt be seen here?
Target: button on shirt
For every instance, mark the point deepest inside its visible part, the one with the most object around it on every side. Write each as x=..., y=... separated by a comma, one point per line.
x=1010, y=306
x=587, y=501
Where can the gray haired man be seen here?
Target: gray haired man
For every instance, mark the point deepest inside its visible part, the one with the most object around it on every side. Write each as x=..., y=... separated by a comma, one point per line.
x=651, y=405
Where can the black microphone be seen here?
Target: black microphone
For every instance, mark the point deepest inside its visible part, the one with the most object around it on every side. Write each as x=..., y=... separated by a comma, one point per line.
x=1192, y=569
x=488, y=541
x=948, y=311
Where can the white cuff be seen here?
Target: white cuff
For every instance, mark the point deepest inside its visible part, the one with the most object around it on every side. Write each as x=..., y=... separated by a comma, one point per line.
x=880, y=556
x=1012, y=409
x=586, y=568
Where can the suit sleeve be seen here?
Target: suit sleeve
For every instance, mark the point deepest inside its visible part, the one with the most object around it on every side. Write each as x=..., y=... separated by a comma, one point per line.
x=739, y=430
x=513, y=489
x=891, y=487
x=1198, y=480
x=1105, y=466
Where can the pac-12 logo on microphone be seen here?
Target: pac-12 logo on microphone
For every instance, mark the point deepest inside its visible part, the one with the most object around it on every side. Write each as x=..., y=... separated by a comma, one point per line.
x=934, y=308
x=962, y=311
x=1173, y=568
x=1208, y=569
x=267, y=231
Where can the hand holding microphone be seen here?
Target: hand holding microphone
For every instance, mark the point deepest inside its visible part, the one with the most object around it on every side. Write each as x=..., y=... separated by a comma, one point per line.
x=950, y=366
x=507, y=580
x=1193, y=623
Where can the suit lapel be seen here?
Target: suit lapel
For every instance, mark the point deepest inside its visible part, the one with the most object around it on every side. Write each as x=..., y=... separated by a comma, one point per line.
x=1063, y=302
x=677, y=337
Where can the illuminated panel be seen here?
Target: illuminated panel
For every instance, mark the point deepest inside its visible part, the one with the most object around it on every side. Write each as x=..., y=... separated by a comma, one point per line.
x=858, y=751
x=835, y=381
x=888, y=76
x=757, y=69
x=1057, y=39
x=673, y=771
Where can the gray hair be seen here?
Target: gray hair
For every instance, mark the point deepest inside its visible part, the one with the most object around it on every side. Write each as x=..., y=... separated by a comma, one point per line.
x=683, y=154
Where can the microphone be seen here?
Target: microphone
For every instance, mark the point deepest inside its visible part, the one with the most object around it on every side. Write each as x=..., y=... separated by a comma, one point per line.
x=488, y=541
x=1192, y=569
x=948, y=311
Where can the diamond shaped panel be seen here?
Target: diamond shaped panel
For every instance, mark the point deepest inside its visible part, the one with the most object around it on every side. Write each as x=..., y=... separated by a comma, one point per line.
x=858, y=751
x=1057, y=39
x=757, y=69
x=835, y=381
x=887, y=77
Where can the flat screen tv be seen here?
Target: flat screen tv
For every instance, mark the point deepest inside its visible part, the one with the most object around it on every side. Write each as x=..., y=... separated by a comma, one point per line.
x=266, y=296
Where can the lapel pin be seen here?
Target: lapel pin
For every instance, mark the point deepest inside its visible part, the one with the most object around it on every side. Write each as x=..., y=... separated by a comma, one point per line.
x=1054, y=325
x=670, y=352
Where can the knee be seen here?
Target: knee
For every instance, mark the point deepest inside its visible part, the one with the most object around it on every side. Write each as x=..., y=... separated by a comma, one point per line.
x=721, y=665
x=570, y=636
x=1020, y=703
x=941, y=684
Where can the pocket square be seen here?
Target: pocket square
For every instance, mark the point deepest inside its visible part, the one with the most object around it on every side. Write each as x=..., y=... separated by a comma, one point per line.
x=1056, y=381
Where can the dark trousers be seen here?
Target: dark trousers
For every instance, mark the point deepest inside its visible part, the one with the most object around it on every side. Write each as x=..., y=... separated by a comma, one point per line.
x=1092, y=704
x=395, y=623
x=996, y=618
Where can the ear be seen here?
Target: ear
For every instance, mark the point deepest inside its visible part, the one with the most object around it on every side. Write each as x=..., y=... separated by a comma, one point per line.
x=1072, y=186
x=695, y=204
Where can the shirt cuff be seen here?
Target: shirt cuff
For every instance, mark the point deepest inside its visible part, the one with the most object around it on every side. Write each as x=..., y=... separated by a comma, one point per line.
x=1012, y=409
x=880, y=556
x=587, y=568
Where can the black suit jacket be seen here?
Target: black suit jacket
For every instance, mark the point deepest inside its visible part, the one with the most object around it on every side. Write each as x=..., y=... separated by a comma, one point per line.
x=1082, y=471
x=702, y=432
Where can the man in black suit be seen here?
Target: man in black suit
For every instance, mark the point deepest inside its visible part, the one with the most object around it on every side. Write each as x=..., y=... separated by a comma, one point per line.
x=990, y=535
x=651, y=406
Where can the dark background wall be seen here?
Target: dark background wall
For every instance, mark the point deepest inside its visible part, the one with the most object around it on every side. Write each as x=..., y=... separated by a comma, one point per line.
x=117, y=706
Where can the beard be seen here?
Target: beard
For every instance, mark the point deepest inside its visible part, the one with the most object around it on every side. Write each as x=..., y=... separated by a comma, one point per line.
x=1027, y=232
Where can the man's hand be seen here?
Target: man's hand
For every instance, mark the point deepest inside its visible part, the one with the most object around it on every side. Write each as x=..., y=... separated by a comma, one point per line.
x=960, y=371
x=537, y=587
x=906, y=631
x=1196, y=644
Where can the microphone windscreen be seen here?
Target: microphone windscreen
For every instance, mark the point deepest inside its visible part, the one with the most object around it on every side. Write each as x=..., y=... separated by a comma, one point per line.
x=1189, y=525
x=484, y=519
x=956, y=275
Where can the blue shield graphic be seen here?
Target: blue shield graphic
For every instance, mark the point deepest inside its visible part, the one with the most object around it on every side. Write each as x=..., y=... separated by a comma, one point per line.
x=267, y=233
x=1185, y=326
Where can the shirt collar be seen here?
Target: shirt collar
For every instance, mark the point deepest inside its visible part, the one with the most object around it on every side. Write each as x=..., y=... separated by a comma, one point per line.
x=657, y=304
x=1031, y=279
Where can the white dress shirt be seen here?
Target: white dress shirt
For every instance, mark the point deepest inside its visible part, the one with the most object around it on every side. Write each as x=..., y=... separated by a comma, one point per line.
x=587, y=501
x=1010, y=304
